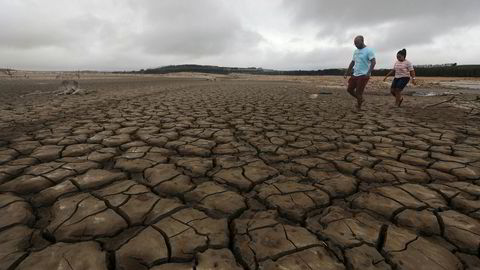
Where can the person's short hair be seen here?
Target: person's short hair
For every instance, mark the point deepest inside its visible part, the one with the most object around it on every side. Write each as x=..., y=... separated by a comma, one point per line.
x=359, y=37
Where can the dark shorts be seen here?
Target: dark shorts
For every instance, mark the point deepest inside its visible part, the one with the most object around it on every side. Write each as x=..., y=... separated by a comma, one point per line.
x=400, y=83
x=357, y=82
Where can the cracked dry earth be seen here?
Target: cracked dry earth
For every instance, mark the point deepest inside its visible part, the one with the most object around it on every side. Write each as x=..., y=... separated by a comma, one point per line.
x=186, y=174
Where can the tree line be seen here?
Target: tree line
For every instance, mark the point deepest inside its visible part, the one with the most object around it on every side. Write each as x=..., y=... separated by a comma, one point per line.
x=433, y=71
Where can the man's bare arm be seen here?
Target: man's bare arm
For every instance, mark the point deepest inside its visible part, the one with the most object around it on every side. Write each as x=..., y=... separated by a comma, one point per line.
x=388, y=74
x=372, y=66
x=349, y=69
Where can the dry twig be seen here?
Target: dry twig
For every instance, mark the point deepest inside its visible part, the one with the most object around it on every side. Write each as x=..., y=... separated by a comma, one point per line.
x=445, y=101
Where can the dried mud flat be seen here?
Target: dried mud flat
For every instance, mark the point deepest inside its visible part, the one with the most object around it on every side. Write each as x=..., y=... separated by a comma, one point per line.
x=184, y=173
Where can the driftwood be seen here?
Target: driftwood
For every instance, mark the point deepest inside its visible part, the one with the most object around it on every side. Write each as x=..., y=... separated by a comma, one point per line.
x=70, y=87
x=9, y=72
x=436, y=104
x=68, y=75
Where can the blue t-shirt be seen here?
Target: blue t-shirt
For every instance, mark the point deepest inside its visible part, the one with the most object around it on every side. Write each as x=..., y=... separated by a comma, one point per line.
x=362, y=59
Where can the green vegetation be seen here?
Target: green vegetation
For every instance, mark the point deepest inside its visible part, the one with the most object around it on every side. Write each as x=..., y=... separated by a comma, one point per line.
x=433, y=71
x=202, y=69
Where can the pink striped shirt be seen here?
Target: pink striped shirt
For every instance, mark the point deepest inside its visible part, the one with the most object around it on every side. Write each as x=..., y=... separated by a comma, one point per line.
x=402, y=69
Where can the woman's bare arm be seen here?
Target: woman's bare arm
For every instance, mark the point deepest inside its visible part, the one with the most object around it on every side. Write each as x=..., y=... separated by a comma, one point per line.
x=412, y=74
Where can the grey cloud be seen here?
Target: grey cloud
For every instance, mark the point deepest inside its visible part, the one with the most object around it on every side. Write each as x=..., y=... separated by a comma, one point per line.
x=28, y=26
x=409, y=22
x=153, y=30
x=333, y=57
x=198, y=42
x=345, y=13
x=19, y=29
x=194, y=28
x=280, y=34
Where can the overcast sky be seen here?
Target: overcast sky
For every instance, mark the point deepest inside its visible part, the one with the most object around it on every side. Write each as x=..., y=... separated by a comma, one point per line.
x=278, y=34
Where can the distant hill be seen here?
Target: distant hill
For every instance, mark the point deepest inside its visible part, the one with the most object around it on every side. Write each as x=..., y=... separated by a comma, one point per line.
x=228, y=70
x=202, y=69
x=447, y=70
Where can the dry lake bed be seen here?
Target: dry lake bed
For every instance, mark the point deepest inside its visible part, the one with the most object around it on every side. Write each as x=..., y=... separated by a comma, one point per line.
x=192, y=171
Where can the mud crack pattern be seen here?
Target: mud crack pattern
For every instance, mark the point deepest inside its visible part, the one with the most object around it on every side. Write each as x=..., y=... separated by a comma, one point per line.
x=235, y=175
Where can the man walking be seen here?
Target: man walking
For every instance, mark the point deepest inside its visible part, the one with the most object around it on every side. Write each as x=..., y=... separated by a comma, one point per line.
x=362, y=63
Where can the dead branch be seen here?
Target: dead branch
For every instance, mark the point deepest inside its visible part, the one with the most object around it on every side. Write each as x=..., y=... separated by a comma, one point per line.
x=9, y=72
x=37, y=93
x=67, y=87
x=445, y=101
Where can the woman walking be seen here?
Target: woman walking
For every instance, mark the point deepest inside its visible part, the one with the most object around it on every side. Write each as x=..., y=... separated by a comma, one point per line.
x=403, y=70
